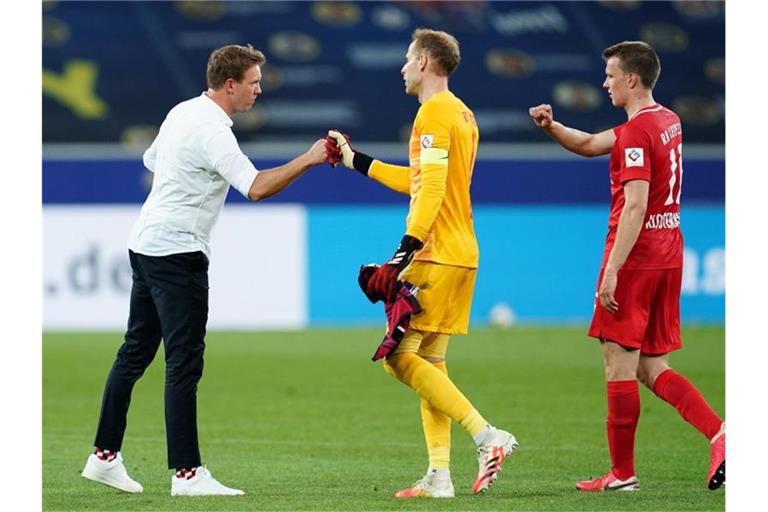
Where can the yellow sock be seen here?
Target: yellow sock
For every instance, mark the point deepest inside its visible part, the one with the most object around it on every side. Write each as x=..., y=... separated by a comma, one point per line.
x=437, y=430
x=473, y=422
x=436, y=388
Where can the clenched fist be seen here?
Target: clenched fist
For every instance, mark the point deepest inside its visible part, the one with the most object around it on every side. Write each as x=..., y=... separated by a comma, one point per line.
x=541, y=115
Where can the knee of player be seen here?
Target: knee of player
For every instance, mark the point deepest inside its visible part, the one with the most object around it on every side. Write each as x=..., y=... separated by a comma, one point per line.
x=394, y=363
x=644, y=376
x=389, y=368
x=183, y=376
x=618, y=371
x=647, y=373
x=400, y=365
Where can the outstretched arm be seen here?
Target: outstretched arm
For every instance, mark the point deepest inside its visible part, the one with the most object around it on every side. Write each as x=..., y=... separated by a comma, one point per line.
x=576, y=141
x=271, y=181
x=339, y=149
x=227, y=159
x=396, y=177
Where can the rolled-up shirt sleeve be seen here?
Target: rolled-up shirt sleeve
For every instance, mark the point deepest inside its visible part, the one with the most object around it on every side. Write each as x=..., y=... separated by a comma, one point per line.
x=227, y=159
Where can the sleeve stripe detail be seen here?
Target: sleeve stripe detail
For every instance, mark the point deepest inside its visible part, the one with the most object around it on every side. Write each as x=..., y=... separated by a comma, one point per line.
x=437, y=156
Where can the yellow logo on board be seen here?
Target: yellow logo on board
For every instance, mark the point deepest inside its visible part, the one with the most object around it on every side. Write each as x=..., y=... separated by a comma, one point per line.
x=75, y=89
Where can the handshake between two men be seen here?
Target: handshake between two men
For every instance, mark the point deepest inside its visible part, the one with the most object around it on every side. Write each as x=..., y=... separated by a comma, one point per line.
x=383, y=283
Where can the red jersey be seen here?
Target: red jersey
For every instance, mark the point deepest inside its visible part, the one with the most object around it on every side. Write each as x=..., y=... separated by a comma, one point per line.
x=649, y=147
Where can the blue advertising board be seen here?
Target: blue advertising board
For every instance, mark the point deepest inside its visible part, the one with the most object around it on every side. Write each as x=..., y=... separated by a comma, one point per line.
x=540, y=261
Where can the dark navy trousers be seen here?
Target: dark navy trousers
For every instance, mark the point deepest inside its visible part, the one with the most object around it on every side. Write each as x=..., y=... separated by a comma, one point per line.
x=169, y=301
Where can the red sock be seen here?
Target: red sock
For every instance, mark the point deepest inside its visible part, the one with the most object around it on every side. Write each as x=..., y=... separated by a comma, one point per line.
x=683, y=396
x=105, y=455
x=186, y=473
x=623, y=413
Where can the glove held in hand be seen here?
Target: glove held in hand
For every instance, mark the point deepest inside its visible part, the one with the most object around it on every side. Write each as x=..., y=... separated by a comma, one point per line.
x=382, y=283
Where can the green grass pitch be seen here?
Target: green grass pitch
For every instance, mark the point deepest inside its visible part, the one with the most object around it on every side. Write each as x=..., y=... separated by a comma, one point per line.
x=305, y=421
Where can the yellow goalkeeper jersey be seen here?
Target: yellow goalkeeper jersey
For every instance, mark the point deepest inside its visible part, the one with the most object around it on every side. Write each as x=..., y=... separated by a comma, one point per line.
x=442, y=152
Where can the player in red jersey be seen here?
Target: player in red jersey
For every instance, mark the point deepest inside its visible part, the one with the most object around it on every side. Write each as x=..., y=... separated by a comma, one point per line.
x=637, y=306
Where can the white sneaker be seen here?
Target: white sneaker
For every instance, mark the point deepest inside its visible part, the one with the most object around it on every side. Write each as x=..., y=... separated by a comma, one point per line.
x=490, y=455
x=430, y=486
x=202, y=484
x=110, y=473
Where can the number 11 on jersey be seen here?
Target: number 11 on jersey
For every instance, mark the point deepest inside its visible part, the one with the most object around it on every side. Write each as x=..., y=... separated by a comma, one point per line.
x=676, y=167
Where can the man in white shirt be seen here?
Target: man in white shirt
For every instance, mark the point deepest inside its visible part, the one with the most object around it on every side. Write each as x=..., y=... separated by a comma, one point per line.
x=195, y=158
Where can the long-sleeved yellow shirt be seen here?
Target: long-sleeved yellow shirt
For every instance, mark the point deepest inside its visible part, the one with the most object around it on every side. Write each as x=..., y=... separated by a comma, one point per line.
x=442, y=152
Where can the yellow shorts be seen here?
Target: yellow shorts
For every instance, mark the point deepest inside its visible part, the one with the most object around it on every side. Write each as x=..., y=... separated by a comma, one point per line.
x=445, y=294
x=424, y=344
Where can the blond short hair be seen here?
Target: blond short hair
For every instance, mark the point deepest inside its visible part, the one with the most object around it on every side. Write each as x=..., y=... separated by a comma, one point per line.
x=441, y=46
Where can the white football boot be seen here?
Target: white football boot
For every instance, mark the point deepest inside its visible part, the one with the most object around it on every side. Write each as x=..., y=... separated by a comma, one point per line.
x=496, y=446
x=430, y=486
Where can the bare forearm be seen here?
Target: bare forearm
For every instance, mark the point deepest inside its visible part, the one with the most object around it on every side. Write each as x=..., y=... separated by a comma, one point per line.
x=271, y=181
x=571, y=139
x=630, y=224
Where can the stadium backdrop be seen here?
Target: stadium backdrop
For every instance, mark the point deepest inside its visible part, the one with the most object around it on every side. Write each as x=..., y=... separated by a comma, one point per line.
x=292, y=261
x=112, y=69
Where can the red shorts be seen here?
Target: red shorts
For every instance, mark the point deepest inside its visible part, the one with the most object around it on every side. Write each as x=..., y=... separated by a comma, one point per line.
x=649, y=311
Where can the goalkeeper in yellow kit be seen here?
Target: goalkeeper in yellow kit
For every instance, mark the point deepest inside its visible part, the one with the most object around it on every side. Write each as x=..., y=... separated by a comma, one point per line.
x=439, y=254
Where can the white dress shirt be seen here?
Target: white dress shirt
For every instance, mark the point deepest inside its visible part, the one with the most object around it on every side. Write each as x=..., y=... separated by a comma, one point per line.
x=194, y=158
